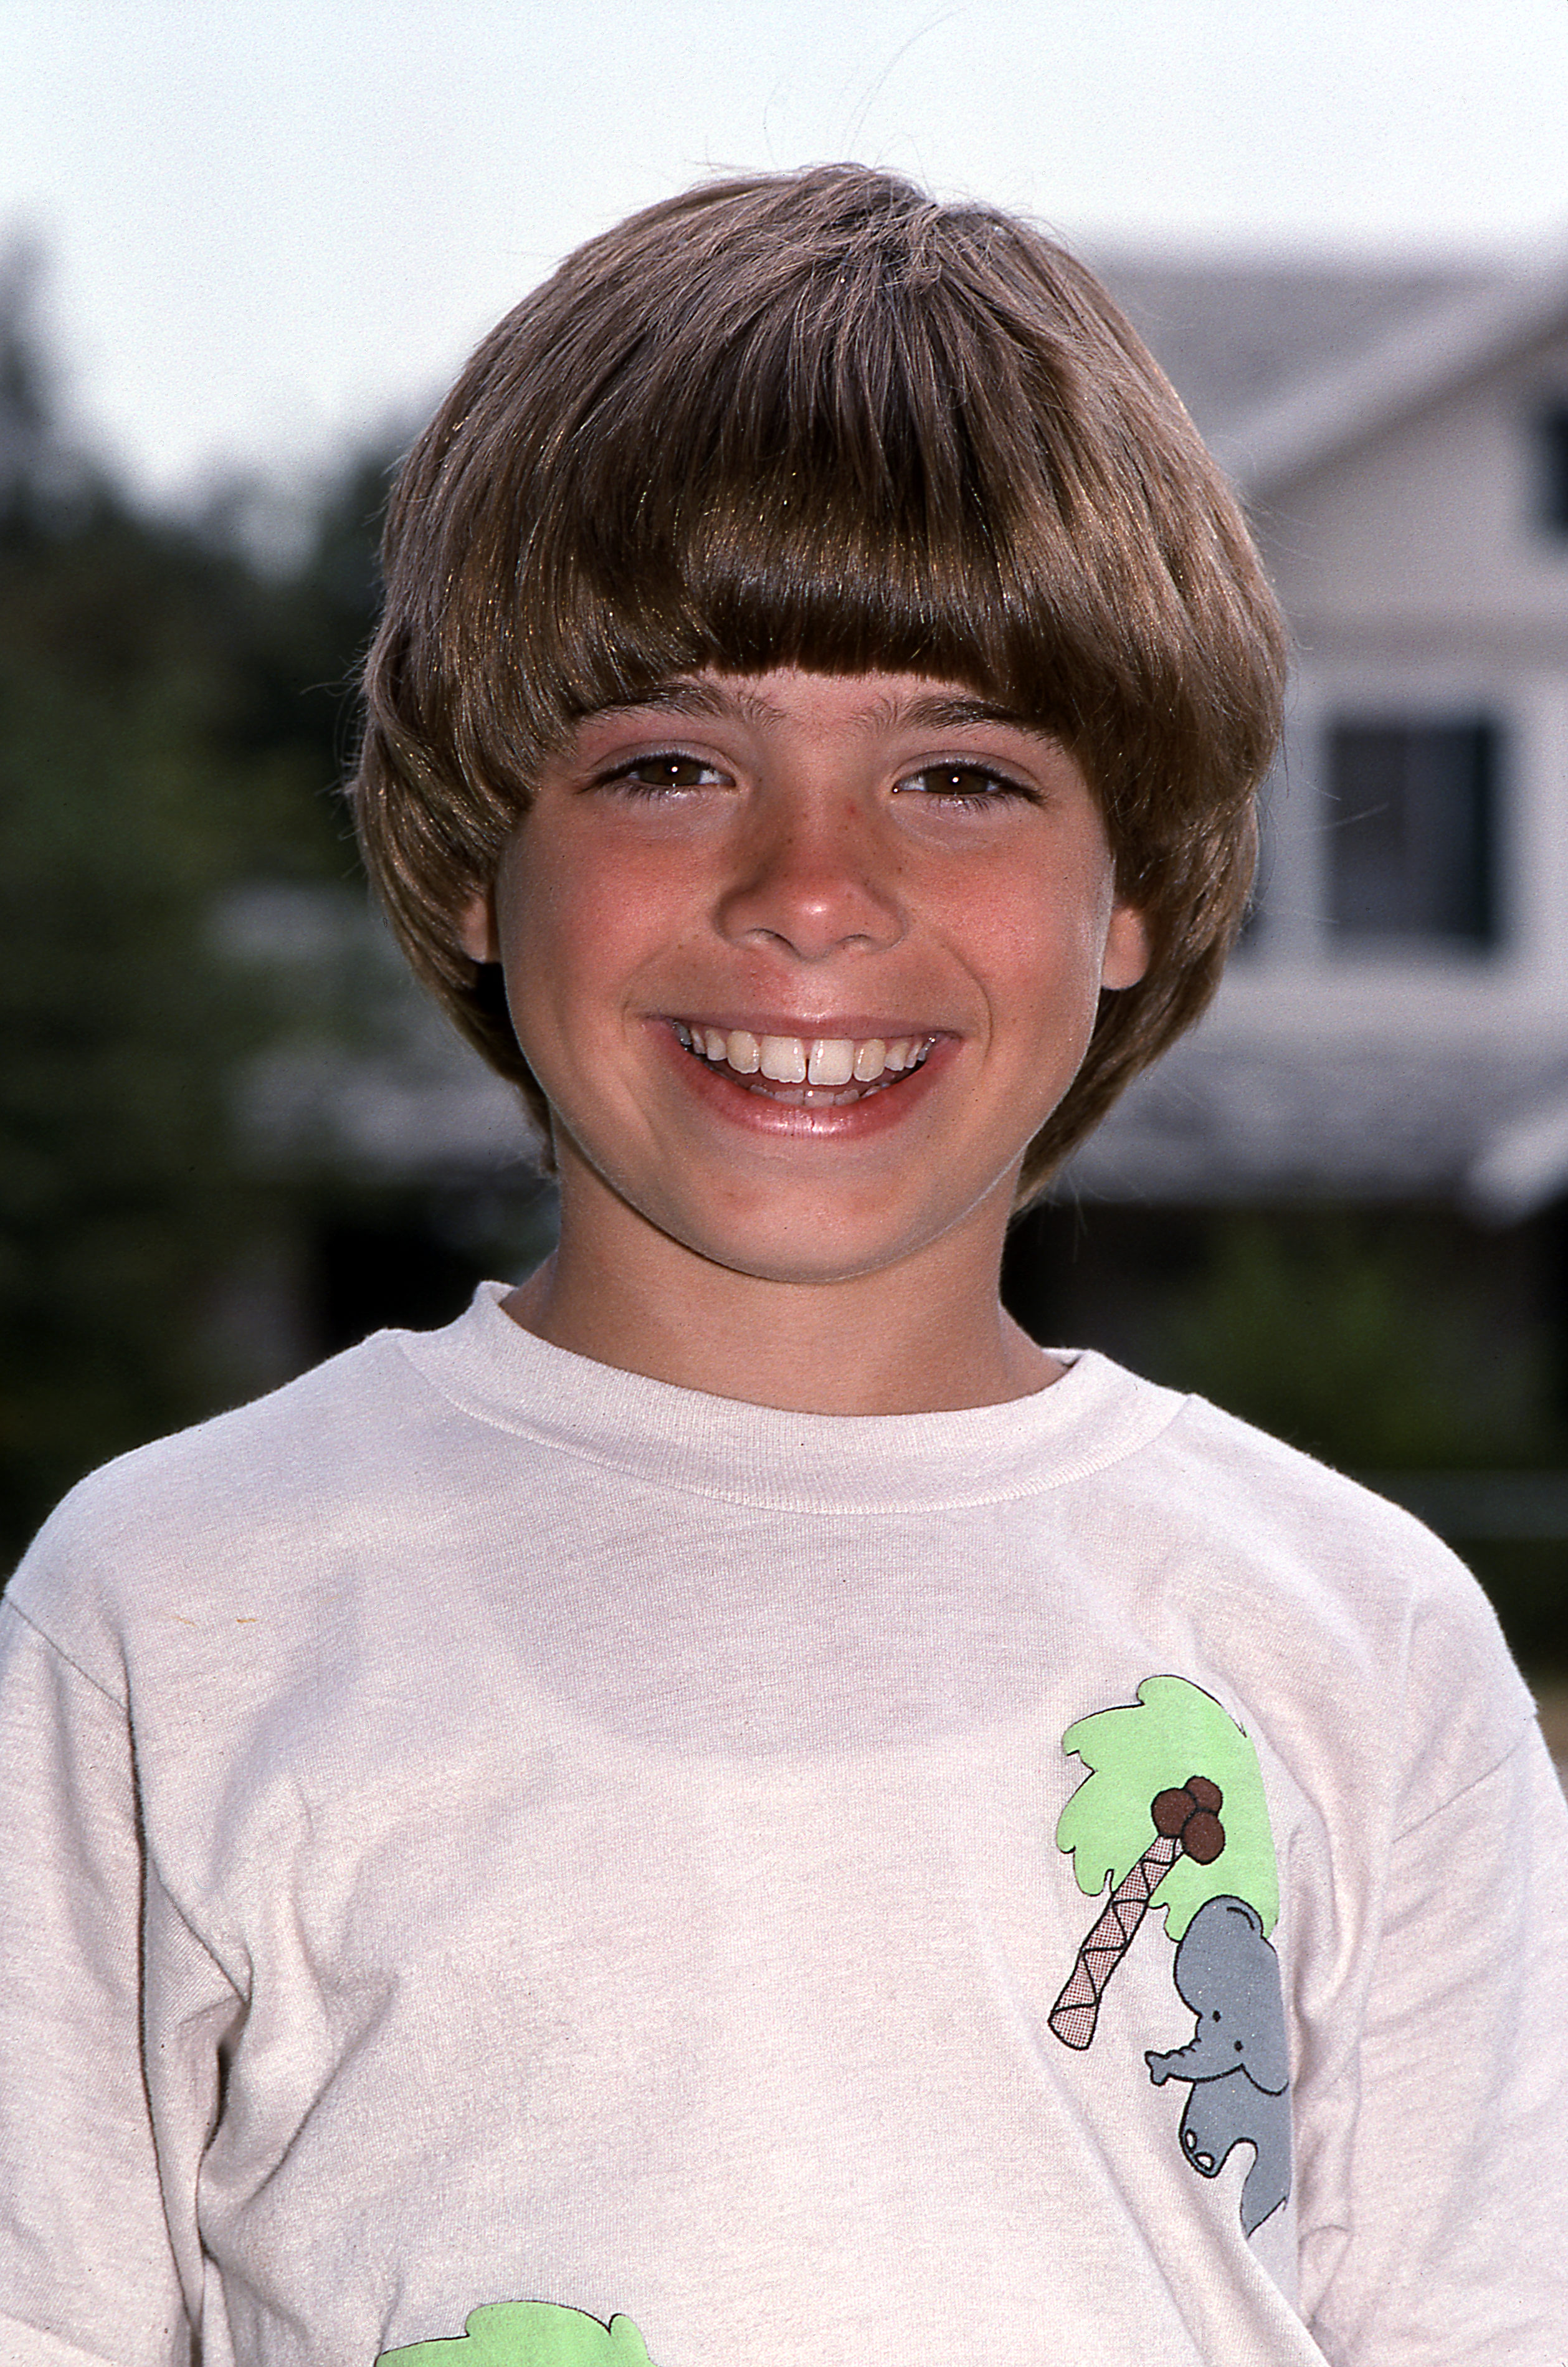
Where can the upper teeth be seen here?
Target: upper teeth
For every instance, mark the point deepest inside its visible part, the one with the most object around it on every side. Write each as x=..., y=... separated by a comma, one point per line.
x=806, y=1060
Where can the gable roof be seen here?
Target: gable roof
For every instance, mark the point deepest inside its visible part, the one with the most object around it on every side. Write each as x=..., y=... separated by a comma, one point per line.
x=1283, y=364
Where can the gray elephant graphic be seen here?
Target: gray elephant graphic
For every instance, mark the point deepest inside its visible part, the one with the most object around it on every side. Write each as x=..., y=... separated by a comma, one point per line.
x=1237, y=2059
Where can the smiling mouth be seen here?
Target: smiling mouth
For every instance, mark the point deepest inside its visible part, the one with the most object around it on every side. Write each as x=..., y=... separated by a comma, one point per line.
x=807, y=1072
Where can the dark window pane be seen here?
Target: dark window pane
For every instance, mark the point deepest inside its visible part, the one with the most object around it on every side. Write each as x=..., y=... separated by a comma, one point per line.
x=1412, y=830
x=1553, y=467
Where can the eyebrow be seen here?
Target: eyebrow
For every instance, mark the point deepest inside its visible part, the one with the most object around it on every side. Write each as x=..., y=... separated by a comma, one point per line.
x=944, y=712
x=687, y=697
x=933, y=711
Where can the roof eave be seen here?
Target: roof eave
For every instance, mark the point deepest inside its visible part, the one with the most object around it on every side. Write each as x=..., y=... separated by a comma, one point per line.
x=1427, y=357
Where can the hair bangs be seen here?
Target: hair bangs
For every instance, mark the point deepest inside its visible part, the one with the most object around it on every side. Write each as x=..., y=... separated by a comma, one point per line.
x=824, y=492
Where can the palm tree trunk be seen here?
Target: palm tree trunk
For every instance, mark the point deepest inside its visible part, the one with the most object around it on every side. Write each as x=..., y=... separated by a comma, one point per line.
x=1076, y=2012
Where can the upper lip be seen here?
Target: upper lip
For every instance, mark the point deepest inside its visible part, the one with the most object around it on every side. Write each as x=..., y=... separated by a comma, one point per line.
x=853, y=1027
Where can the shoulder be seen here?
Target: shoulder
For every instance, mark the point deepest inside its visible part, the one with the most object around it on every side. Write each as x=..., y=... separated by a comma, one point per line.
x=270, y=1441
x=1222, y=1480
x=1329, y=1596
x=260, y=1498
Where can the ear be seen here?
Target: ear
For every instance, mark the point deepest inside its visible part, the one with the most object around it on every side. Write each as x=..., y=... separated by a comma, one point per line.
x=1126, y=948
x=476, y=930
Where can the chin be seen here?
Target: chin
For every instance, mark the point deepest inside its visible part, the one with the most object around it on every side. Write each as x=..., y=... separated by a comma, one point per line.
x=819, y=1249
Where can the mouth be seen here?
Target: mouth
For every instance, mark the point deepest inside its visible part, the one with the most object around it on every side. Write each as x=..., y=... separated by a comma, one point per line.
x=806, y=1071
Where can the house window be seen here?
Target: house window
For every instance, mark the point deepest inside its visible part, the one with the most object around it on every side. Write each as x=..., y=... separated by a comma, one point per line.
x=1551, y=466
x=1412, y=830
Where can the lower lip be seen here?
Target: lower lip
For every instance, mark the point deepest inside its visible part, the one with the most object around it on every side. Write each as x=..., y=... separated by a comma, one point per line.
x=731, y=1097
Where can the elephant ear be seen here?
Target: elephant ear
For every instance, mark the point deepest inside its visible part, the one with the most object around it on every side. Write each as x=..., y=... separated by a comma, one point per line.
x=1258, y=1997
x=1268, y=2055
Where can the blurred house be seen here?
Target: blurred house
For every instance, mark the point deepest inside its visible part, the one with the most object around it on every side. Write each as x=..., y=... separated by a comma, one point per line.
x=1395, y=1025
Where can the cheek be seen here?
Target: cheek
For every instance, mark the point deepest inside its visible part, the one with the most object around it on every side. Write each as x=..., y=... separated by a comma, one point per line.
x=537, y=931
x=1048, y=964
x=1047, y=942
x=576, y=936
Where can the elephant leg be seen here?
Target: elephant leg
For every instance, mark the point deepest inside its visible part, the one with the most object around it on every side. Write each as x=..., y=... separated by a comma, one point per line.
x=1221, y=2114
x=1213, y=2122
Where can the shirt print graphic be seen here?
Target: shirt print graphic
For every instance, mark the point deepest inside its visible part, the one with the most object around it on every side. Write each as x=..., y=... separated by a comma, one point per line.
x=1172, y=1815
x=527, y=2334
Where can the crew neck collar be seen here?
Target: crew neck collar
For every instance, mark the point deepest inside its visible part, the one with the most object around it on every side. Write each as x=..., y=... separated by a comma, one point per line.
x=685, y=1440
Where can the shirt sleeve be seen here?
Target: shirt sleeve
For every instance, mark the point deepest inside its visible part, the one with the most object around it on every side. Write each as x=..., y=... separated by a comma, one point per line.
x=88, y=2241
x=1449, y=2249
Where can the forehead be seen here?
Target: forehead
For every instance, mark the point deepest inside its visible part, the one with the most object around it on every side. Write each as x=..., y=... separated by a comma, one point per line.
x=868, y=705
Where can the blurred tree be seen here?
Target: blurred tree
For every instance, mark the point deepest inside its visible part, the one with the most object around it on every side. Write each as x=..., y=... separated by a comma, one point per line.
x=155, y=752
x=1355, y=1334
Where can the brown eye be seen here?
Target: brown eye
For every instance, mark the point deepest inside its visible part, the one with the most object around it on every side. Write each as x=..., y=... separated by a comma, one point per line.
x=673, y=771
x=962, y=784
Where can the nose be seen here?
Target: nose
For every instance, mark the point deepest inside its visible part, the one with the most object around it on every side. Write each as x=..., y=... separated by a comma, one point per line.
x=813, y=877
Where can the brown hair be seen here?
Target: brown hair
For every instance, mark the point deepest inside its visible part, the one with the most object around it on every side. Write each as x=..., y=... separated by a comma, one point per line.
x=818, y=419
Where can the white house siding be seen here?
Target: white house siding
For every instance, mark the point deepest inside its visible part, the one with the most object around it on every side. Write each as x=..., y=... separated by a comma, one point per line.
x=1419, y=585
x=1422, y=539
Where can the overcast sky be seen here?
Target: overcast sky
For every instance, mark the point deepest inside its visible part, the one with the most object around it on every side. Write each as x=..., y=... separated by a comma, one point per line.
x=273, y=225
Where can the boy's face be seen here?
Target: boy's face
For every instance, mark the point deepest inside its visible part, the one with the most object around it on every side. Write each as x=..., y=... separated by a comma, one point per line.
x=801, y=962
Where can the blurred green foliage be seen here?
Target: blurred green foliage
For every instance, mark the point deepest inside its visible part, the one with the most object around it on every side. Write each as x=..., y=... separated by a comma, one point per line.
x=172, y=725
x=1368, y=1337
x=1391, y=1341
x=1375, y=1342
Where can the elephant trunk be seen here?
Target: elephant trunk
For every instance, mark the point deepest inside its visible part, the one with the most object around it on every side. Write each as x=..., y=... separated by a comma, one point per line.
x=1170, y=2067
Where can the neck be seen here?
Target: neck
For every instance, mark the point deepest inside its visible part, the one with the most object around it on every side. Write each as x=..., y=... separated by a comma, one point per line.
x=889, y=1342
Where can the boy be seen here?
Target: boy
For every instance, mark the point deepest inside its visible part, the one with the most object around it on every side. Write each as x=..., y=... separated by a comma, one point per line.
x=727, y=1807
